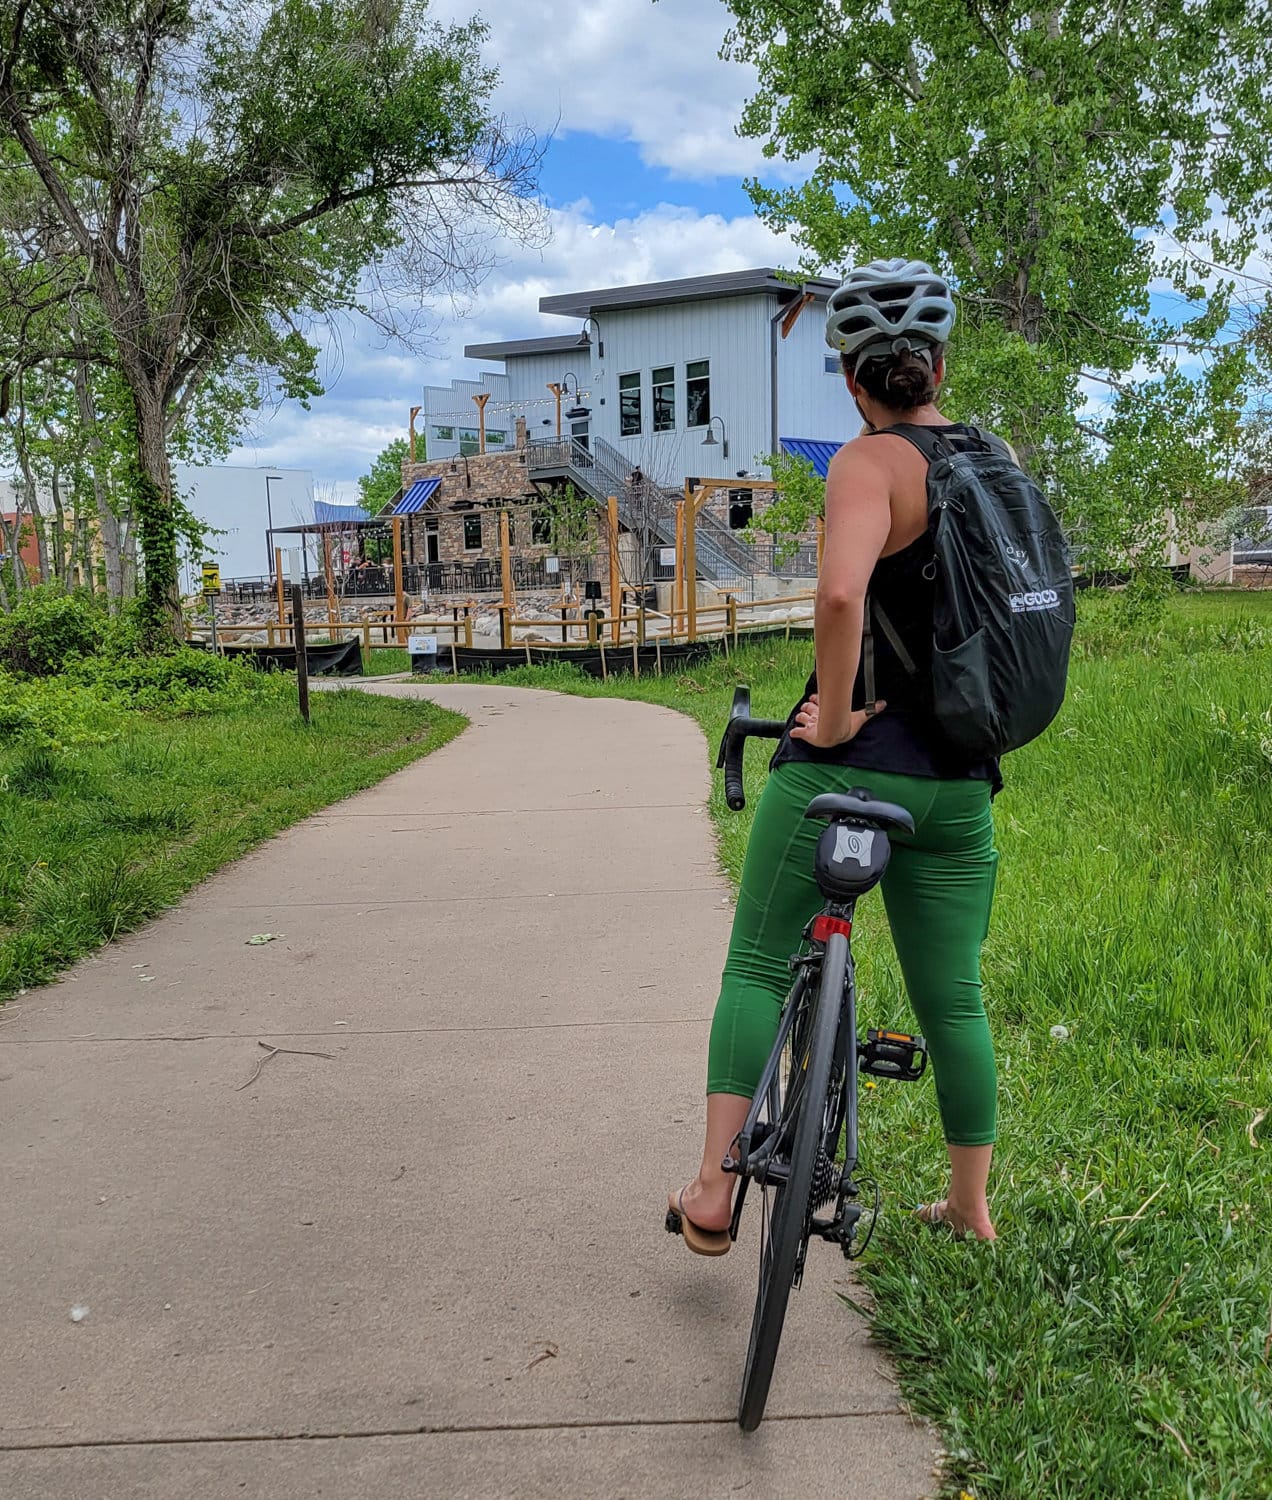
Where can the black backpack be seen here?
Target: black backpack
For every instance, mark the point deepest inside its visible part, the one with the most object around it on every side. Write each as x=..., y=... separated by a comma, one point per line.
x=1003, y=616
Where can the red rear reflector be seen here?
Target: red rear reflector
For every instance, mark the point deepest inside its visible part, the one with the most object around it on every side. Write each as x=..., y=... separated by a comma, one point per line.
x=824, y=927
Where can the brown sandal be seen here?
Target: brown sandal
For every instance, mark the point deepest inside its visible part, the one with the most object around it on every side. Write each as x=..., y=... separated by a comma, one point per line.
x=700, y=1241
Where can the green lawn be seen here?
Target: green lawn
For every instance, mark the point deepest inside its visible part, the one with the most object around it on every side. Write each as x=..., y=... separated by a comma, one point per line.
x=1117, y=1340
x=96, y=838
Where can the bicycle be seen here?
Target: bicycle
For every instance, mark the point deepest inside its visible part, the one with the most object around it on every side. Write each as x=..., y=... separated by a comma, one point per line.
x=806, y=1100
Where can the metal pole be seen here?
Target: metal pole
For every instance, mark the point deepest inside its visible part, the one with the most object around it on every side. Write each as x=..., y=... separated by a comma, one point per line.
x=302, y=656
x=678, y=582
x=821, y=542
x=331, y=585
x=616, y=599
x=212, y=601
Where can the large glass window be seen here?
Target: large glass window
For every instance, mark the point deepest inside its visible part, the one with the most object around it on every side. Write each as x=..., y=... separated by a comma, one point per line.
x=468, y=440
x=541, y=526
x=664, y=383
x=444, y=434
x=697, y=393
x=472, y=533
x=629, y=405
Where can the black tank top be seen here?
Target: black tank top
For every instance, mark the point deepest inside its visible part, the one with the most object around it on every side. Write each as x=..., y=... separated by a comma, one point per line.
x=906, y=737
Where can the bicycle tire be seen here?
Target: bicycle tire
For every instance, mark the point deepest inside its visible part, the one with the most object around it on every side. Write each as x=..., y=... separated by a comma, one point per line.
x=789, y=1226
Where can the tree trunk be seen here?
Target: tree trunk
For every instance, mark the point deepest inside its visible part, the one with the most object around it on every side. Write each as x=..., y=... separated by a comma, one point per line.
x=161, y=619
x=61, y=570
x=107, y=521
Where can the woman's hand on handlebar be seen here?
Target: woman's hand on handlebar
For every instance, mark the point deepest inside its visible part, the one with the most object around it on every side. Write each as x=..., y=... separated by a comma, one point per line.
x=809, y=727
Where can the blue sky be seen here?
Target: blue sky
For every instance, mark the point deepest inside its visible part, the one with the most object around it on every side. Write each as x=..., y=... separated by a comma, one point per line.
x=642, y=180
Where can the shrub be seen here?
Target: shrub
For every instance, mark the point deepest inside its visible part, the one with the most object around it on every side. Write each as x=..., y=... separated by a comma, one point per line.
x=47, y=629
x=185, y=681
x=53, y=713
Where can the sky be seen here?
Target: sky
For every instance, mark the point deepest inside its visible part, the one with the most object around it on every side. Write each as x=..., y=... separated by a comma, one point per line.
x=642, y=179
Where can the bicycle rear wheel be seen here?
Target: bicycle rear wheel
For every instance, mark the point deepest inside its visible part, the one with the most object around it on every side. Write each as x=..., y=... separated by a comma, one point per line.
x=801, y=1117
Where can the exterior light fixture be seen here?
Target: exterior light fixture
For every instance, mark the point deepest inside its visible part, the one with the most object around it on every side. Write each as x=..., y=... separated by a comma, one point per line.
x=585, y=338
x=711, y=440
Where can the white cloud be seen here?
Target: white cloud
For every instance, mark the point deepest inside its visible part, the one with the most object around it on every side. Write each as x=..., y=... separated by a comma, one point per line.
x=630, y=69
x=370, y=388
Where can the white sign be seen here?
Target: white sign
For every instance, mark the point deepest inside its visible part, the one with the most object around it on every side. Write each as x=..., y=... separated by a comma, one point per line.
x=667, y=557
x=292, y=568
x=551, y=564
x=422, y=645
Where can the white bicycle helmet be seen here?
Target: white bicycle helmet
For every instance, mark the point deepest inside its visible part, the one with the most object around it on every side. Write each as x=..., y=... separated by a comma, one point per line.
x=888, y=307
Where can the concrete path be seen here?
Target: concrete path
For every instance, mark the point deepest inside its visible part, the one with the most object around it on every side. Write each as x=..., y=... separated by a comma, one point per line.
x=433, y=1263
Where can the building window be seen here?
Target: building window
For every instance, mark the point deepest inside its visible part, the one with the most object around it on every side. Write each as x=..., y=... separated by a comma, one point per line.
x=495, y=439
x=472, y=533
x=541, y=526
x=629, y=405
x=697, y=393
x=832, y=365
x=741, y=509
x=444, y=434
x=664, y=381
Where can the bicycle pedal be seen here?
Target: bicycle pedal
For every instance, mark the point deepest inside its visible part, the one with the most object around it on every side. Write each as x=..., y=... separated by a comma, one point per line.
x=893, y=1054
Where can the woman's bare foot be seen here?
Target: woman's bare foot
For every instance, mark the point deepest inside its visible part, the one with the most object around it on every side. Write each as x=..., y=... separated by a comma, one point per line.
x=945, y=1215
x=708, y=1208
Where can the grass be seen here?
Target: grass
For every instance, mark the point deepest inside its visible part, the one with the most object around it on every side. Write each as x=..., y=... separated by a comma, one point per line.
x=97, y=838
x=1117, y=1340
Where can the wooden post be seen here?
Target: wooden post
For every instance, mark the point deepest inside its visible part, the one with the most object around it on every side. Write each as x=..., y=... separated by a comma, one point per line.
x=278, y=584
x=731, y=618
x=616, y=596
x=480, y=402
x=468, y=630
x=415, y=411
x=302, y=656
x=691, y=566
x=505, y=570
x=821, y=542
x=399, y=594
x=555, y=388
x=678, y=583
x=331, y=585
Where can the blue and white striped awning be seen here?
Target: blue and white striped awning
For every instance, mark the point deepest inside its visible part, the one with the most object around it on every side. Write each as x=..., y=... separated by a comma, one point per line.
x=416, y=498
x=815, y=450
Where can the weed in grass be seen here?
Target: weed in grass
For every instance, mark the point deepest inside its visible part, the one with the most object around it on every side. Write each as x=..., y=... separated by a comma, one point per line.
x=39, y=771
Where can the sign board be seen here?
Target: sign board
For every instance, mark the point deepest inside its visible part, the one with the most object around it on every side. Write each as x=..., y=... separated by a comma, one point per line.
x=667, y=556
x=422, y=645
x=551, y=564
x=211, y=578
x=292, y=569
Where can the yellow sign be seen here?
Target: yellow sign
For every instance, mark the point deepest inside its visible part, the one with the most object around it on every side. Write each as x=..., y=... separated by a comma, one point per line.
x=211, y=578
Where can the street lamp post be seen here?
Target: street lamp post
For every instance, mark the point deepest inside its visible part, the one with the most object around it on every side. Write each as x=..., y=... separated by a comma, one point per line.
x=269, y=512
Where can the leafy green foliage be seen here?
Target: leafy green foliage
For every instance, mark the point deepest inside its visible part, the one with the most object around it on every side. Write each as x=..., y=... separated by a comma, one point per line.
x=799, y=501
x=1060, y=164
x=47, y=630
x=379, y=486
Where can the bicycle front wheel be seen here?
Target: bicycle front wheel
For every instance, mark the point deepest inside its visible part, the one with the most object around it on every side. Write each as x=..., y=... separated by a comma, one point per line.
x=801, y=1120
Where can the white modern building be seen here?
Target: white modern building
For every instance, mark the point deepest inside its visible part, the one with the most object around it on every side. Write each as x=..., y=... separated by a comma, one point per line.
x=240, y=506
x=698, y=377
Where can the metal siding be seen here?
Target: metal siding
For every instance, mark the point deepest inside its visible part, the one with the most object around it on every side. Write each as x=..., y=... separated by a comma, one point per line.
x=452, y=406
x=811, y=403
x=733, y=335
x=528, y=392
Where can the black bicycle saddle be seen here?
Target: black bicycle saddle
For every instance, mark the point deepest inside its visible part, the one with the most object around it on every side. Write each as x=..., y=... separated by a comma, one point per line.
x=860, y=808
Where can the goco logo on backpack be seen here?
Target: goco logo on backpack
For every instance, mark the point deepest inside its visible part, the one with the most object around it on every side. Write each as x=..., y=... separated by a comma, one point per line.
x=1036, y=599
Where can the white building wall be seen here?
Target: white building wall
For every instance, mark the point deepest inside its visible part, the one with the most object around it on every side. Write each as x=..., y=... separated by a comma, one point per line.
x=453, y=406
x=811, y=401
x=528, y=393
x=733, y=335
x=238, y=504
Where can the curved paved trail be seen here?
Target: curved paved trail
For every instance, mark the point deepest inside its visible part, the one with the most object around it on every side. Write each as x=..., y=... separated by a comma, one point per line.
x=432, y=1263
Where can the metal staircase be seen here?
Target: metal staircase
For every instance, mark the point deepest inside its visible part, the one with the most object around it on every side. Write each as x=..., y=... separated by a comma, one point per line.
x=599, y=470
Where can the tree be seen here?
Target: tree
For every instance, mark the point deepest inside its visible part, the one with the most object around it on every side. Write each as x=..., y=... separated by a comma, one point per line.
x=1061, y=163
x=204, y=177
x=380, y=485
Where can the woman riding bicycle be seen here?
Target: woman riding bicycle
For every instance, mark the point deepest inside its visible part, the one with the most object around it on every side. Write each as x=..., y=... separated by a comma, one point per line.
x=890, y=321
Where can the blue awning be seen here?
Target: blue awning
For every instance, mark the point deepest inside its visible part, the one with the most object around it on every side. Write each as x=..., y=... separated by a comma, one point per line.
x=416, y=498
x=817, y=452
x=328, y=514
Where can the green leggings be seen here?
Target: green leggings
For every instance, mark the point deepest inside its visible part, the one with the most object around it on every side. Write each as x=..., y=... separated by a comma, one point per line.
x=938, y=891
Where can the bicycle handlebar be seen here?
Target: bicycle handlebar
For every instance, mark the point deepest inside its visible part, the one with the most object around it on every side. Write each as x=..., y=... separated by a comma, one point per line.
x=737, y=731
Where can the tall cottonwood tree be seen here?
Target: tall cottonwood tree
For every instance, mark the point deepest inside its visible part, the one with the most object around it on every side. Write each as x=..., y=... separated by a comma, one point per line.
x=1063, y=162
x=205, y=176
